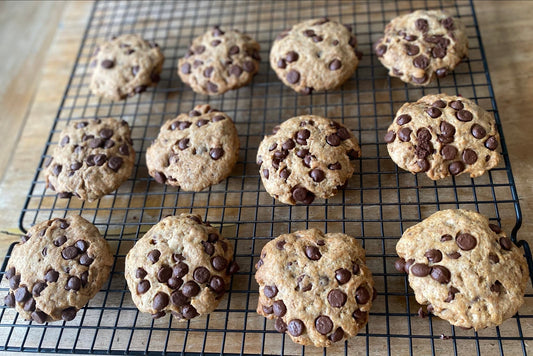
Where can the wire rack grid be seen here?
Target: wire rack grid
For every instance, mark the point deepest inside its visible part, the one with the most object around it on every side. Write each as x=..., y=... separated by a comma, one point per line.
x=379, y=202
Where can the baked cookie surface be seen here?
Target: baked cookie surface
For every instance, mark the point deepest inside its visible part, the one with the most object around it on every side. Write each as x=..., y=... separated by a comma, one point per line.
x=219, y=61
x=307, y=156
x=92, y=159
x=466, y=269
x=125, y=66
x=57, y=268
x=315, y=286
x=315, y=55
x=194, y=150
x=423, y=44
x=443, y=136
x=180, y=266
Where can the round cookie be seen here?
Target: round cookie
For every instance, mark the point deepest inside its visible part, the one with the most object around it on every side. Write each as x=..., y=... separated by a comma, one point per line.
x=219, y=61
x=194, y=150
x=125, y=66
x=308, y=156
x=93, y=158
x=59, y=265
x=443, y=135
x=181, y=266
x=466, y=270
x=315, y=55
x=423, y=44
x=316, y=287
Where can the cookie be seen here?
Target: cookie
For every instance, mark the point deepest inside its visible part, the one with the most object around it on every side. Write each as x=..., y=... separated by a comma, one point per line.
x=315, y=286
x=92, y=159
x=306, y=157
x=59, y=265
x=443, y=136
x=423, y=44
x=180, y=266
x=194, y=150
x=466, y=269
x=219, y=61
x=315, y=55
x=125, y=66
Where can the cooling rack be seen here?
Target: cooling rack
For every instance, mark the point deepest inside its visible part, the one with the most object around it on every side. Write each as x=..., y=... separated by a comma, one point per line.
x=379, y=202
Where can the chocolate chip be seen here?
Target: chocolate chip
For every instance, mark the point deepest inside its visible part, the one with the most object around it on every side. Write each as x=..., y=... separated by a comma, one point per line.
x=291, y=57
x=217, y=284
x=447, y=130
x=318, y=175
x=313, y=253
x=380, y=50
x=73, y=283
x=140, y=273
x=280, y=325
x=164, y=274
x=235, y=70
x=201, y=274
x=420, y=269
x=403, y=119
x=446, y=237
x=399, y=265
x=282, y=64
x=411, y=50
x=279, y=308
x=301, y=194
x=433, y=255
x=51, y=276
x=456, y=167
x=420, y=80
x=464, y=115
x=390, y=136
x=178, y=299
x=335, y=64
x=447, y=23
x=433, y=112
x=115, y=163
x=69, y=252
x=333, y=140
x=337, y=298
x=186, y=68
x=491, y=143
x=465, y=241
x=296, y=327
x=190, y=289
x=360, y=316
x=160, y=177
x=107, y=64
x=495, y=228
x=454, y=255
x=441, y=274
x=494, y=258
x=421, y=62
x=288, y=145
x=212, y=87
x=160, y=301
x=183, y=143
x=505, y=243
x=22, y=294
x=405, y=134
x=219, y=263
x=451, y=294
x=323, y=324
x=438, y=52
x=9, y=300
x=422, y=25
x=189, y=312
x=293, y=76
x=362, y=296
x=469, y=156
x=248, y=66
x=208, y=71
x=39, y=316
x=180, y=270
x=216, y=153
x=456, y=104
x=284, y=173
x=153, y=256
x=441, y=72
x=448, y=152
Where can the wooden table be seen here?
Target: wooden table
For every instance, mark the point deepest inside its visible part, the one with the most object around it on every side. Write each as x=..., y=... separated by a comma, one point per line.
x=44, y=38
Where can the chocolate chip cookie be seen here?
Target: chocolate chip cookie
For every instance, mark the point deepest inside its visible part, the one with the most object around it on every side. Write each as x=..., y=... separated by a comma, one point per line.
x=315, y=55
x=466, y=269
x=194, y=150
x=92, y=159
x=59, y=265
x=443, y=135
x=423, y=44
x=219, y=61
x=125, y=66
x=315, y=286
x=181, y=266
x=307, y=156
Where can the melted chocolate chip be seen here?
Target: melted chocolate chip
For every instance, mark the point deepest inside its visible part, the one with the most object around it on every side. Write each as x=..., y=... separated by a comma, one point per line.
x=293, y=76
x=279, y=308
x=491, y=143
x=337, y=298
x=456, y=167
x=323, y=324
x=478, y=131
x=433, y=112
x=154, y=255
x=313, y=253
x=160, y=301
x=469, y=156
x=420, y=269
x=296, y=327
x=441, y=274
x=190, y=289
x=403, y=119
x=465, y=241
x=390, y=136
x=506, y=243
x=433, y=255
x=362, y=296
x=404, y=134
x=216, y=153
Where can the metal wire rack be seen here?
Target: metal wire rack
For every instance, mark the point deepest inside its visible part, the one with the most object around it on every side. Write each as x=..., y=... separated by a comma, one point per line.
x=379, y=202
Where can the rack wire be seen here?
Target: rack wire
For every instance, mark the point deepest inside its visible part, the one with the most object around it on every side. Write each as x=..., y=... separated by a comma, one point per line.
x=379, y=202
